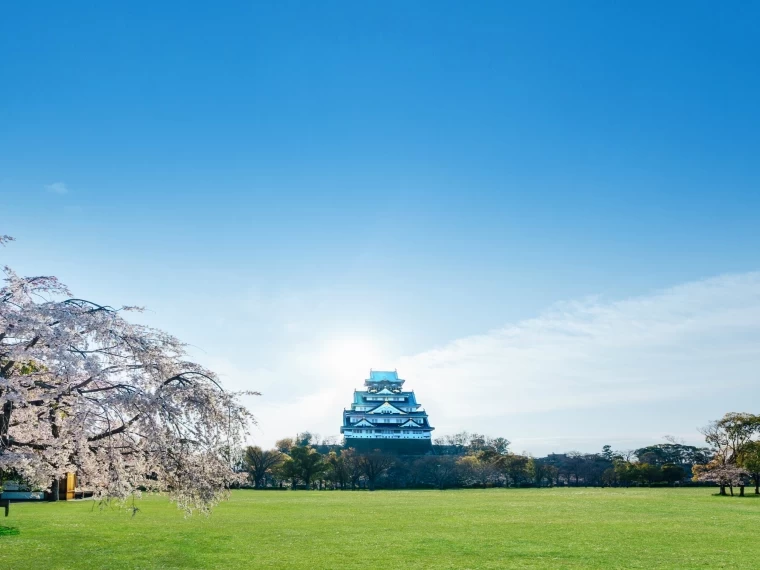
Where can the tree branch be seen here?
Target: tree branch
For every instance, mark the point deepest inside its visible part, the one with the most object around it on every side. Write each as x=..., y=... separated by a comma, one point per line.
x=114, y=431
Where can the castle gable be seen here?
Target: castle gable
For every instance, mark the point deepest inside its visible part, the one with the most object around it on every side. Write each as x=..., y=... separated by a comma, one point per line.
x=386, y=408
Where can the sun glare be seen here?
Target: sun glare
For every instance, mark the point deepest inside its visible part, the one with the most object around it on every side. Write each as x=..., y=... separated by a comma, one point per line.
x=352, y=355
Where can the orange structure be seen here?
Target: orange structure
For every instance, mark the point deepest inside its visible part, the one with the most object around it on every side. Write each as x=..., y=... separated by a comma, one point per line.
x=66, y=486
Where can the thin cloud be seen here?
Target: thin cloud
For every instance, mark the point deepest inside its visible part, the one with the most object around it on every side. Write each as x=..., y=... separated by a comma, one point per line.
x=57, y=188
x=692, y=341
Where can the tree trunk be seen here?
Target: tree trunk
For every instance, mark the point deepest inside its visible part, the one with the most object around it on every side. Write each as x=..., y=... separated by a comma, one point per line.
x=731, y=488
x=5, y=423
x=741, y=490
x=722, y=489
x=55, y=494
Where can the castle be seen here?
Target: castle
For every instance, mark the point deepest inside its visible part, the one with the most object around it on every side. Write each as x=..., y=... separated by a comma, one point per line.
x=386, y=417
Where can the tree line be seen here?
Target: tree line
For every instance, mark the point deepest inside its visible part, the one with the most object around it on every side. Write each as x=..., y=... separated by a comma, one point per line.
x=467, y=460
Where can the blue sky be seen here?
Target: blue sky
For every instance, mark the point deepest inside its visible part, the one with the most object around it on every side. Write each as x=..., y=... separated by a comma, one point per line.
x=303, y=191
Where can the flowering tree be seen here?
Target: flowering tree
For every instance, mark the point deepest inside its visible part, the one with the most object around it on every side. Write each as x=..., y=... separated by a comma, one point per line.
x=730, y=438
x=722, y=474
x=83, y=390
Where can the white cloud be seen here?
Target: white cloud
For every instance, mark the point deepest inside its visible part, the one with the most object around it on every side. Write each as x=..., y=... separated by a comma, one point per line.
x=581, y=374
x=57, y=188
x=687, y=344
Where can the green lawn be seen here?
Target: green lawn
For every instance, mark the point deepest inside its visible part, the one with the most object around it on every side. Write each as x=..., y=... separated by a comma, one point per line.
x=496, y=528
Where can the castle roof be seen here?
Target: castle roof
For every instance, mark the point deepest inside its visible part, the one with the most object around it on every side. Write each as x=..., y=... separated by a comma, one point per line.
x=383, y=376
x=410, y=423
x=398, y=398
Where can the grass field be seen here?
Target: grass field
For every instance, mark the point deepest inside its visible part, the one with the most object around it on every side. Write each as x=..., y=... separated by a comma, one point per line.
x=496, y=528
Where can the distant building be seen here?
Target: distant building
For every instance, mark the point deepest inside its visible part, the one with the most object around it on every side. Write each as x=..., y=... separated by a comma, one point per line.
x=384, y=416
x=20, y=491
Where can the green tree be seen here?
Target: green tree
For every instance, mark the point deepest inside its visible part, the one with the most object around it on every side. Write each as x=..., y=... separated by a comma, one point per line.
x=625, y=472
x=500, y=445
x=750, y=461
x=288, y=470
x=337, y=469
x=307, y=463
x=646, y=473
x=672, y=453
x=515, y=468
x=541, y=472
x=305, y=439
x=730, y=434
x=672, y=473
x=284, y=445
x=478, y=469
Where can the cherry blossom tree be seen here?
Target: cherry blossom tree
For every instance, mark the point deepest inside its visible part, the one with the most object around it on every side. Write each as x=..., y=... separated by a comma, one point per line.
x=730, y=438
x=83, y=390
x=722, y=474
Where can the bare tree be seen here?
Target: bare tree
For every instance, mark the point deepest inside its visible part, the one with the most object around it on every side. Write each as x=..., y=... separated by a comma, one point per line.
x=373, y=465
x=353, y=465
x=439, y=471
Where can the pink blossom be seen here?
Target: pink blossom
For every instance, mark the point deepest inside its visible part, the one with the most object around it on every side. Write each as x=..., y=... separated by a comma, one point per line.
x=83, y=390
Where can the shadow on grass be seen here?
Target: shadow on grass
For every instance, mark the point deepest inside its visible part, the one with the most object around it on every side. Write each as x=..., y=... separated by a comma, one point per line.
x=8, y=530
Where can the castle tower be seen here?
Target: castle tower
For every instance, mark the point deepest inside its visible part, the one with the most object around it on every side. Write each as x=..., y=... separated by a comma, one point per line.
x=384, y=416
